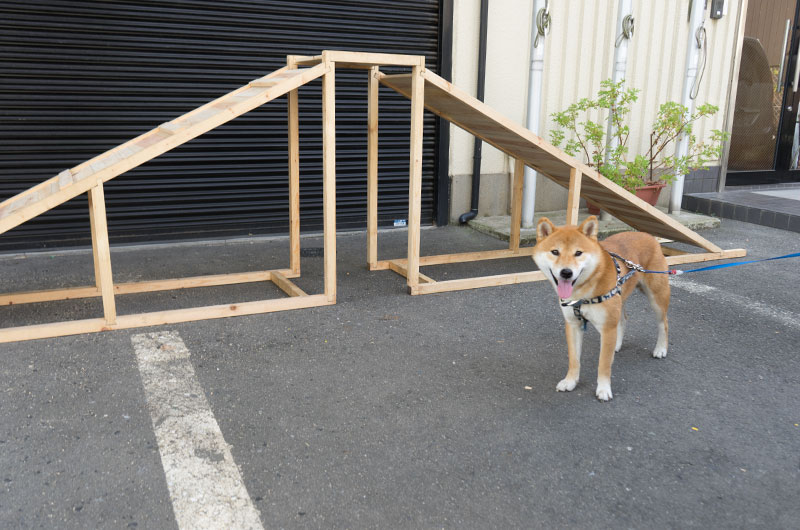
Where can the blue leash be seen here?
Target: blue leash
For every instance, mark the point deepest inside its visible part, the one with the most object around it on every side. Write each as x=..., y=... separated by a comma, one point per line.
x=677, y=272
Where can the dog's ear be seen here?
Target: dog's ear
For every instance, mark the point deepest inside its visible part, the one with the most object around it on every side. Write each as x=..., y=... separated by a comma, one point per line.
x=544, y=228
x=589, y=227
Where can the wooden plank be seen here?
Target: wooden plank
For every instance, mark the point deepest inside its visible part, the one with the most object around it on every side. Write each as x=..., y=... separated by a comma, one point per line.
x=285, y=285
x=707, y=256
x=269, y=82
x=462, y=257
x=516, y=204
x=294, y=174
x=169, y=127
x=372, y=167
x=329, y=178
x=400, y=268
x=415, y=175
x=355, y=59
x=101, y=251
x=476, y=283
x=153, y=144
x=73, y=293
x=60, y=329
x=669, y=251
x=463, y=108
x=574, y=196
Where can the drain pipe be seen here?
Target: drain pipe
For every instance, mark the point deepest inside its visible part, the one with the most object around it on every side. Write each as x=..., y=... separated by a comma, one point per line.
x=624, y=35
x=541, y=26
x=691, y=84
x=476, y=151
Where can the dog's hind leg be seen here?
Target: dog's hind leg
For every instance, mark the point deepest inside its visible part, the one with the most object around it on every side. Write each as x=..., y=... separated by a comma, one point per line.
x=656, y=286
x=623, y=320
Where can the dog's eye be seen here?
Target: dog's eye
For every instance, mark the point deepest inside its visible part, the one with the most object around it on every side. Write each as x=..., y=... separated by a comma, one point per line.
x=554, y=252
x=578, y=252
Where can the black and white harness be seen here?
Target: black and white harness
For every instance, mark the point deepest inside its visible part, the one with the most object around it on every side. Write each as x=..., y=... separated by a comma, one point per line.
x=576, y=304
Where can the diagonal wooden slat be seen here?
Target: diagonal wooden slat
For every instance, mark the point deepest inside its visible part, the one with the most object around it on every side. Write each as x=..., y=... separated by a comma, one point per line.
x=477, y=118
x=78, y=180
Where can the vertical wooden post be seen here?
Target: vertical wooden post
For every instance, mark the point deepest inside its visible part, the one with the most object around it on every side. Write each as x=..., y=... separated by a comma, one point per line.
x=573, y=196
x=294, y=175
x=415, y=176
x=329, y=176
x=516, y=205
x=101, y=251
x=372, y=168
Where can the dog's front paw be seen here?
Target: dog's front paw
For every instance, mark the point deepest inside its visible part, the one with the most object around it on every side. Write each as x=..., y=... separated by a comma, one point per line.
x=566, y=385
x=604, y=392
x=660, y=352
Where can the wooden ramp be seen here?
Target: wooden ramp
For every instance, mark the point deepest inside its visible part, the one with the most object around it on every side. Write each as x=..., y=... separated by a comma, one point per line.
x=72, y=182
x=463, y=110
x=90, y=176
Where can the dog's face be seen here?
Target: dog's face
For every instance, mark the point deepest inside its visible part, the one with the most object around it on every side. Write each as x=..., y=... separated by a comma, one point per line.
x=567, y=255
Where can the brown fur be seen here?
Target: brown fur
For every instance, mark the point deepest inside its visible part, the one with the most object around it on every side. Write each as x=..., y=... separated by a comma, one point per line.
x=595, y=275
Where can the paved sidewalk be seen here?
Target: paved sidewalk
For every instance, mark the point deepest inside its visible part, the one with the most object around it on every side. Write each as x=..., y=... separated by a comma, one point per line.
x=393, y=411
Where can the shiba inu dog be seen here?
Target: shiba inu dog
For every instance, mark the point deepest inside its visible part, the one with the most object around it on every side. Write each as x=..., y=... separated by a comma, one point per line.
x=591, y=288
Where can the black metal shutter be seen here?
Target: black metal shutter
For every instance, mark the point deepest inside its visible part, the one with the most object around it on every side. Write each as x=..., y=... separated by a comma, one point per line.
x=80, y=77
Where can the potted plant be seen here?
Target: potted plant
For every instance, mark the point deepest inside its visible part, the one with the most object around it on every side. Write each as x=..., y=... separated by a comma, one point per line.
x=646, y=174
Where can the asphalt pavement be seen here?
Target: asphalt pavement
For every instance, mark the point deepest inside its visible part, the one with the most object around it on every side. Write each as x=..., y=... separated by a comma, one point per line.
x=393, y=411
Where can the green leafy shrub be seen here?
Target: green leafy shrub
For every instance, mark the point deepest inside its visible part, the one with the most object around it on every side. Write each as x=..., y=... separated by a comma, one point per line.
x=582, y=136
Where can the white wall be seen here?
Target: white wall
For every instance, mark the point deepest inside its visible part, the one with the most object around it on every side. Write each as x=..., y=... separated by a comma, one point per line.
x=579, y=54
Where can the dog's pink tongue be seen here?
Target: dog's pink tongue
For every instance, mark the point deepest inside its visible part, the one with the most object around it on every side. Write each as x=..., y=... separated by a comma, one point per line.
x=564, y=288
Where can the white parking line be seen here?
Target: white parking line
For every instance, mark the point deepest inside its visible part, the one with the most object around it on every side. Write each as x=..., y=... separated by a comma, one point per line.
x=205, y=485
x=783, y=316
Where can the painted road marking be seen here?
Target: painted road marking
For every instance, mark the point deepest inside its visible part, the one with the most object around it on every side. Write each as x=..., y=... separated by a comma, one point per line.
x=205, y=485
x=783, y=316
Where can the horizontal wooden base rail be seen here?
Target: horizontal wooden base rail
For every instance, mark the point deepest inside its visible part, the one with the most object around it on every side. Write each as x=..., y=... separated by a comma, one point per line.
x=476, y=283
x=431, y=286
x=706, y=256
x=151, y=286
x=463, y=257
x=94, y=325
x=402, y=270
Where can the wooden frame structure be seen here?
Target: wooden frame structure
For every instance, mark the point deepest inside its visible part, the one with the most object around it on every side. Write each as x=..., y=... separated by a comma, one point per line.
x=427, y=90
x=90, y=176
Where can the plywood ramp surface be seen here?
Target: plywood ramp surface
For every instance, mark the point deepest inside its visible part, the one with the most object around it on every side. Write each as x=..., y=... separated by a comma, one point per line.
x=72, y=182
x=465, y=111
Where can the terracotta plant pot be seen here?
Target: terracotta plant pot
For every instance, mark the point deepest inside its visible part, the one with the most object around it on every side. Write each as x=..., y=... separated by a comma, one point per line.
x=648, y=194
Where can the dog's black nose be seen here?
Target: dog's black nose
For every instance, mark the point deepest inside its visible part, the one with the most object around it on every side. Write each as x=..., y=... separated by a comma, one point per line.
x=566, y=273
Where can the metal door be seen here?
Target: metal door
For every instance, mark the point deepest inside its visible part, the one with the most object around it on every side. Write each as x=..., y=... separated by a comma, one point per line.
x=765, y=135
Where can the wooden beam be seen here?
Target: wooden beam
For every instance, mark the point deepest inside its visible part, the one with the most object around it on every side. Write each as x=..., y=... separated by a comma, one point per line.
x=372, y=168
x=286, y=286
x=73, y=293
x=574, y=196
x=415, y=175
x=400, y=268
x=476, y=283
x=158, y=318
x=707, y=256
x=294, y=174
x=669, y=251
x=101, y=251
x=329, y=176
x=463, y=257
x=152, y=144
x=516, y=204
